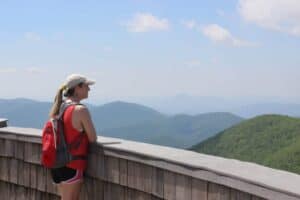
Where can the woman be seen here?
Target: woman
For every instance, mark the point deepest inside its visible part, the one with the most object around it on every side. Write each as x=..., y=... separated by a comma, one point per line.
x=78, y=125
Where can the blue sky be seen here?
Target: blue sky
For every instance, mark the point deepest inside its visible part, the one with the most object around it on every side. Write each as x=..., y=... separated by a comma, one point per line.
x=140, y=48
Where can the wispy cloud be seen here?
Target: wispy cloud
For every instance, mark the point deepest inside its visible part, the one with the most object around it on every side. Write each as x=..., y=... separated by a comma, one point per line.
x=190, y=24
x=145, y=22
x=276, y=15
x=218, y=34
x=7, y=70
x=32, y=36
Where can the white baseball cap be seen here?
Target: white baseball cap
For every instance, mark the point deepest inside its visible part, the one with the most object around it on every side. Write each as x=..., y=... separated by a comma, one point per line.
x=75, y=79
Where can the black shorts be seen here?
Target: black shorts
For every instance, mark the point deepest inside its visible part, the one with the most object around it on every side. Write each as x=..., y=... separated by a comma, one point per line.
x=66, y=175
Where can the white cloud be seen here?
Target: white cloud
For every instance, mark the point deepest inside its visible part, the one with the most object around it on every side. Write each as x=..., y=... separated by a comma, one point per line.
x=145, y=22
x=32, y=36
x=277, y=15
x=219, y=34
x=190, y=24
x=8, y=70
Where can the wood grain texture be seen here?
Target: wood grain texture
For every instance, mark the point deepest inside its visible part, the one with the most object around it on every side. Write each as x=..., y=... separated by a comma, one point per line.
x=157, y=182
x=183, y=187
x=123, y=172
x=139, y=176
x=112, y=169
x=4, y=168
x=199, y=189
x=169, y=185
x=238, y=195
x=13, y=171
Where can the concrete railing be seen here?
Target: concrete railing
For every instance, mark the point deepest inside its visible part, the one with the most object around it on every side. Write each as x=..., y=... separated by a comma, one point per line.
x=120, y=169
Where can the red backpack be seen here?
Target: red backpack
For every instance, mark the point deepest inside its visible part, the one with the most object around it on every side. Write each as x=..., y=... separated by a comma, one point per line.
x=55, y=150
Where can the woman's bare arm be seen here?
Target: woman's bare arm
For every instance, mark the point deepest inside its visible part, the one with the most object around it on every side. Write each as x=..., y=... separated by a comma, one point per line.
x=87, y=123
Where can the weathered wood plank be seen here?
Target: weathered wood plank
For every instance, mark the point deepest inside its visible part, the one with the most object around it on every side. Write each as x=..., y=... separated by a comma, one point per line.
x=2, y=147
x=50, y=187
x=256, y=198
x=20, y=172
x=38, y=195
x=100, y=172
x=114, y=192
x=84, y=195
x=12, y=192
x=132, y=174
x=199, y=189
x=139, y=176
x=238, y=195
x=155, y=198
x=224, y=193
x=158, y=182
x=123, y=172
x=112, y=169
x=88, y=187
x=19, y=150
x=9, y=148
x=21, y=192
x=4, y=168
x=92, y=165
x=41, y=178
x=131, y=194
x=99, y=189
x=169, y=185
x=4, y=190
x=28, y=151
x=183, y=187
x=36, y=153
x=32, y=153
x=218, y=192
x=33, y=175
x=13, y=170
x=23, y=174
x=27, y=175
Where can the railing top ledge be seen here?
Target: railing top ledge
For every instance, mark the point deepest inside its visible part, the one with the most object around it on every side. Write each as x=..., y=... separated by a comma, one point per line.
x=252, y=173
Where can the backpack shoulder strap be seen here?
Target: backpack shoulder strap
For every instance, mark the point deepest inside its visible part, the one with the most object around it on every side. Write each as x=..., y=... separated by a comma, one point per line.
x=64, y=107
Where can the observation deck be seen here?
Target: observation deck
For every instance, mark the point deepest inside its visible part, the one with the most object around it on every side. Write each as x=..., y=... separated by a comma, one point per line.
x=125, y=170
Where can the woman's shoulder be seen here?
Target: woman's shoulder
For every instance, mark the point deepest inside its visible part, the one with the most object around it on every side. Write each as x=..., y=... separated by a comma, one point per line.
x=81, y=109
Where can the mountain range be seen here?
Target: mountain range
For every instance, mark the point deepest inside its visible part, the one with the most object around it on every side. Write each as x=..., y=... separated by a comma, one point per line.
x=246, y=107
x=129, y=121
x=271, y=140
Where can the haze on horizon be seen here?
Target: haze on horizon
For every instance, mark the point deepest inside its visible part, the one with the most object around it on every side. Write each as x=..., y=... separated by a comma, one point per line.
x=139, y=49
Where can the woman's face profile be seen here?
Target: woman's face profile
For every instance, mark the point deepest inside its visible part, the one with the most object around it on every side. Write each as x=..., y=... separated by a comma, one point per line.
x=82, y=91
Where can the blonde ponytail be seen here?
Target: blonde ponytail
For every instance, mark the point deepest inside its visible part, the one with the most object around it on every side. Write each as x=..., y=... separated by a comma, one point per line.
x=57, y=102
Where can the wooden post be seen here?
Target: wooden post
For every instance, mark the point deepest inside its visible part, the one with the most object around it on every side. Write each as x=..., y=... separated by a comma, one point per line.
x=3, y=122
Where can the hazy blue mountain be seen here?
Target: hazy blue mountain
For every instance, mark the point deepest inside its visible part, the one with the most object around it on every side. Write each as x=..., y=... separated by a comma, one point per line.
x=242, y=106
x=129, y=121
x=177, y=131
x=24, y=112
x=30, y=113
x=188, y=104
x=119, y=114
x=268, y=108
